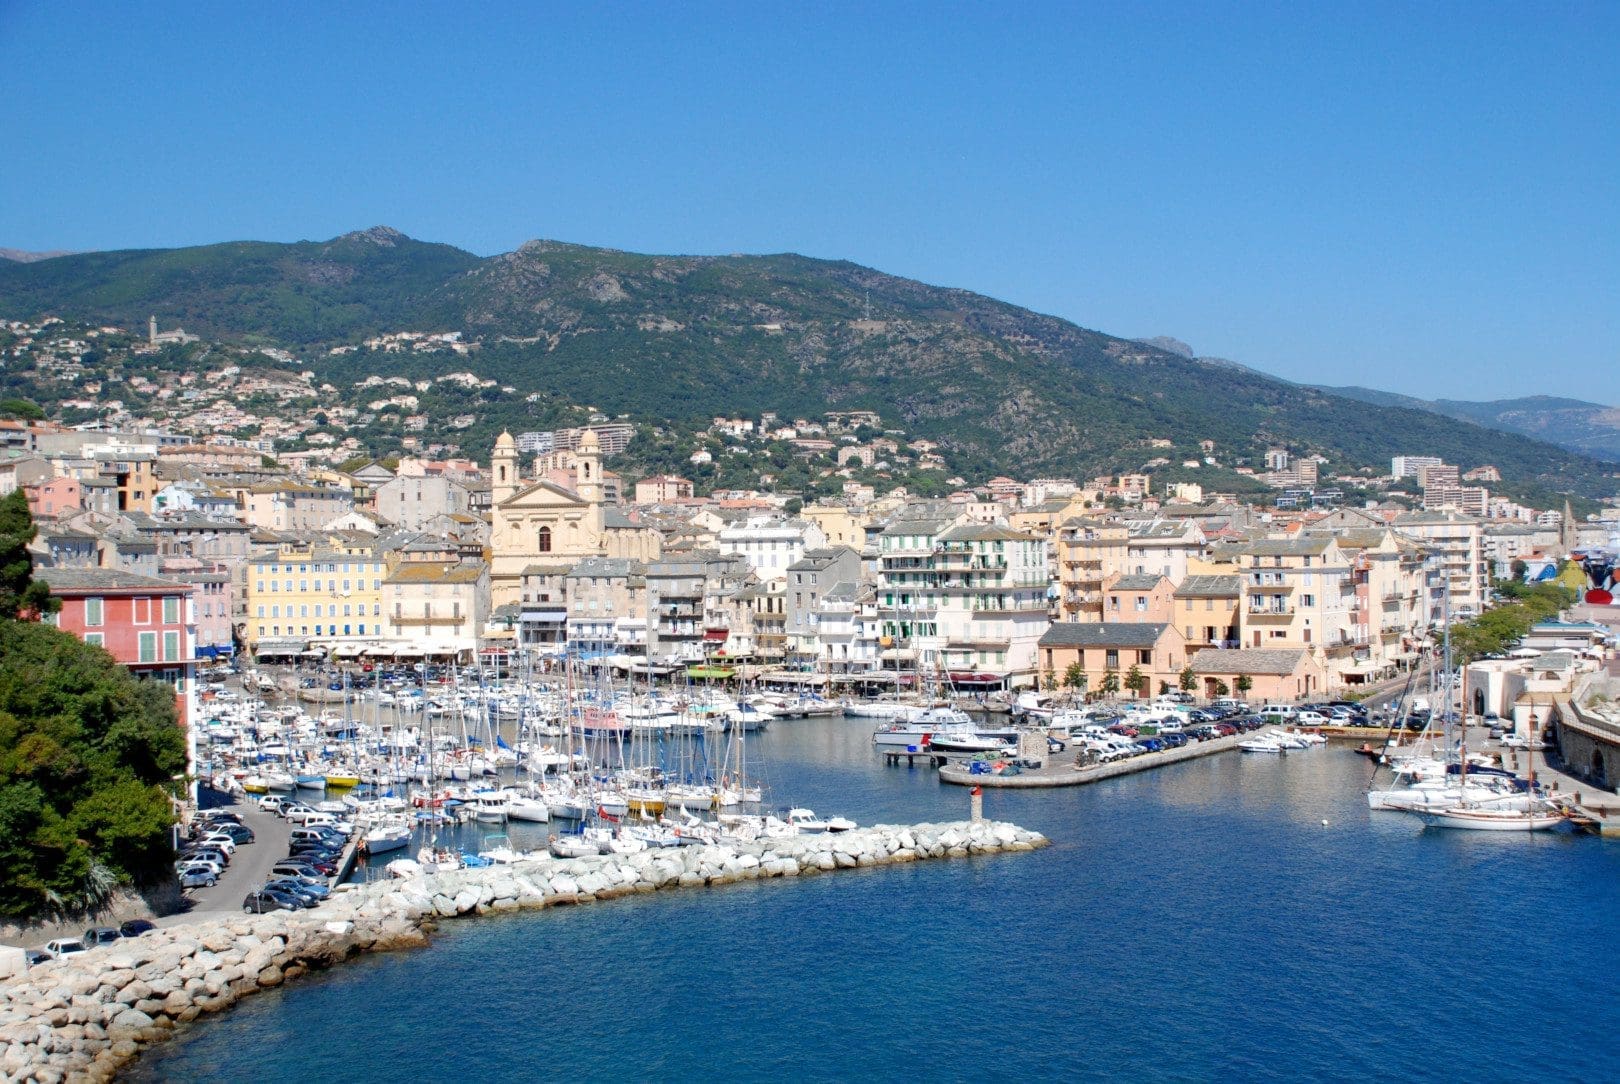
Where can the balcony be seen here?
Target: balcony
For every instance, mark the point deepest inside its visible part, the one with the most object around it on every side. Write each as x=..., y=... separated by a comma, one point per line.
x=1270, y=609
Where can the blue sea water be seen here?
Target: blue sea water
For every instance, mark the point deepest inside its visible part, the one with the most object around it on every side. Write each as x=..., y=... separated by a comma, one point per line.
x=1197, y=922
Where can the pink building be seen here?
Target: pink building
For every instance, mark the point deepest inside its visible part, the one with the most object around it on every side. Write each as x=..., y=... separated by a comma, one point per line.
x=144, y=622
x=56, y=498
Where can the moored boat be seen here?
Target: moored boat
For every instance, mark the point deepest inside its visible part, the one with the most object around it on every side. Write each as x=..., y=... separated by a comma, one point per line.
x=1482, y=819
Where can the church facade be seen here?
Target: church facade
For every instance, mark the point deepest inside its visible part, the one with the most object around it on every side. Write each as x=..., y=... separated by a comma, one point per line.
x=544, y=521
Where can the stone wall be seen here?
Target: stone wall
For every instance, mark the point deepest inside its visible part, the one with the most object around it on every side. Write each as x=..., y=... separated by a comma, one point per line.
x=85, y=1016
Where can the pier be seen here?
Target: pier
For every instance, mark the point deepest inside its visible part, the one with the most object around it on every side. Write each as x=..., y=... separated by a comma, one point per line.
x=1060, y=771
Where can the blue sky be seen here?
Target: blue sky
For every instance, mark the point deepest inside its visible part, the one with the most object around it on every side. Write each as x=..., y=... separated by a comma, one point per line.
x=1420, y=197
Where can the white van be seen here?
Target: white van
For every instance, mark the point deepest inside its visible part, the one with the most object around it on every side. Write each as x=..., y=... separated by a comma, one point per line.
x=1285, y=712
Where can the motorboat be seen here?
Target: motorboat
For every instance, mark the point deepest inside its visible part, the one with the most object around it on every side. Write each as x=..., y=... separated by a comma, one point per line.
x=904, y=735
x=571, y=846
x=1262, y=743
x=966, y=741
x=806, y=821
x=386, y=837
x=492, y=806
x=525, y=805
x=748, y=717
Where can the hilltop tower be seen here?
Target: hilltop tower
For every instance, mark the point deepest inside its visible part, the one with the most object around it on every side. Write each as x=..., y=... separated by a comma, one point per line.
x=151, y=331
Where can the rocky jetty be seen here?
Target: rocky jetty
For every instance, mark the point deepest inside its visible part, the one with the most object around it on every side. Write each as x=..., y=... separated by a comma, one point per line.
x=83, y=1017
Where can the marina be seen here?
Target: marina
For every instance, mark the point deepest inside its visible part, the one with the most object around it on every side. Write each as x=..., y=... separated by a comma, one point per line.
x=1154, y=880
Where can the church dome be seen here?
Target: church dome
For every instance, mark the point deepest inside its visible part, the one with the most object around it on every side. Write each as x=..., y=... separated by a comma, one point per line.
x=505, y=441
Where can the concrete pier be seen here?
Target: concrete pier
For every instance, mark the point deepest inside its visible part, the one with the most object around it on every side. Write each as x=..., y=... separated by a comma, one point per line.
x=1060, y=770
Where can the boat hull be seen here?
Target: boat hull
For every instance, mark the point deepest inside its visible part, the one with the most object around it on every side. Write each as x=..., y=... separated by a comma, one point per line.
x=1492, y=820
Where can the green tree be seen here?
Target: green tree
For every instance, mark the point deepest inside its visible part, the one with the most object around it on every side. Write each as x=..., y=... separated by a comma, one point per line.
x=1244, y=684
x=25, y=409
x=1222, y=688
x=1135, y=680
x=1518, y=569
x=1074, y=677
x=20, y=593
x=1110, y=683
x=89, y=759
x=1188, y=679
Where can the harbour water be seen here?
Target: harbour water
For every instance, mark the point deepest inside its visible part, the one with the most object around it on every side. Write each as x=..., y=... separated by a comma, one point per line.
x=1191, y=923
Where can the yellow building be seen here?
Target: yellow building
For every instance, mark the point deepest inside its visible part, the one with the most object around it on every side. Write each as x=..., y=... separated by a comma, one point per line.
x=324, y=593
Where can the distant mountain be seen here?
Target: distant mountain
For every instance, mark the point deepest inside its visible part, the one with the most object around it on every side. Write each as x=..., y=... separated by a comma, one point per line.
x=1170, y=345
x=1589, y=428
x=679, y=339
x=17, y=255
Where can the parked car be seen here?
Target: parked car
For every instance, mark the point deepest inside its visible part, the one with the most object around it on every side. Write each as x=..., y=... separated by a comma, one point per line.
x=193, y=865
x=220, y=840
x=135, y=927
x=100, y=935
x=261, y=901
x=272, y=803
x=297, y=871
x=1173, y=739
x=198, y=877
x=237, y=833
x=206, y=854
x=64, y=946
x=37, y=956
x=307, y=894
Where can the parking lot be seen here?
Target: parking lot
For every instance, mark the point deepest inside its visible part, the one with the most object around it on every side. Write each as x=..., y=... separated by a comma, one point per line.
x=250, y=865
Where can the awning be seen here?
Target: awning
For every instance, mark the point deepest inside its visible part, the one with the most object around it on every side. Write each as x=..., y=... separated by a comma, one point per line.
x=717, y=672
x=280, y=647
x=904, y=653
x=716, y=635
x=346, y=651
x=975, y=678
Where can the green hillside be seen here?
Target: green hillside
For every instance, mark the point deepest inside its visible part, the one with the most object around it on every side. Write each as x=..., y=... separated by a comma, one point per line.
x=674, y=340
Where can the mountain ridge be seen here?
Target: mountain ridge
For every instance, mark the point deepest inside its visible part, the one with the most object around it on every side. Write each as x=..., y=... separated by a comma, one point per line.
x=1580, y=426
x=679, y=339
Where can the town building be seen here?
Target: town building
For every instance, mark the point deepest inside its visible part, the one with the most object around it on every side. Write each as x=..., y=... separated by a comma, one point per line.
x=544, y=521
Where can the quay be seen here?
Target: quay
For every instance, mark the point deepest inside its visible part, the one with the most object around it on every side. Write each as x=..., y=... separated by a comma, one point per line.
x=85, y=1016
x=1060, y=771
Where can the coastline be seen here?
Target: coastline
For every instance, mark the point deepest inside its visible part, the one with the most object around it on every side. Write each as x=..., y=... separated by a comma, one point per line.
x=86, y=1016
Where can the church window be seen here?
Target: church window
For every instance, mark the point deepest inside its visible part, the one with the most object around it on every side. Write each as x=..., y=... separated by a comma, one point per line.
x=545, y=540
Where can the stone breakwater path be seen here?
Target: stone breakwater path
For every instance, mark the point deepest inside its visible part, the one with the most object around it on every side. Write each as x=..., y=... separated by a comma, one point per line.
x=84, y=1017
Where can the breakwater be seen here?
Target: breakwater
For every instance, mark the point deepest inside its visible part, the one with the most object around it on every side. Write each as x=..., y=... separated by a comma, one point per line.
x=85, y=1016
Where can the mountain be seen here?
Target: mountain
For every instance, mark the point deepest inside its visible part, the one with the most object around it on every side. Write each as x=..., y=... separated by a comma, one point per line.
x=679, y=339
x=301, y=293
x=1588, y=428
x=17, y=255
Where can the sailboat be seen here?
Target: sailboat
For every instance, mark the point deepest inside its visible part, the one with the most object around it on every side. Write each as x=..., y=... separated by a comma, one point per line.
x=1534, y=814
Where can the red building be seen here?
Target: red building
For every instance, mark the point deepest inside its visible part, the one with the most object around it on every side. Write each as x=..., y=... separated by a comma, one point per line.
x=142, y=621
